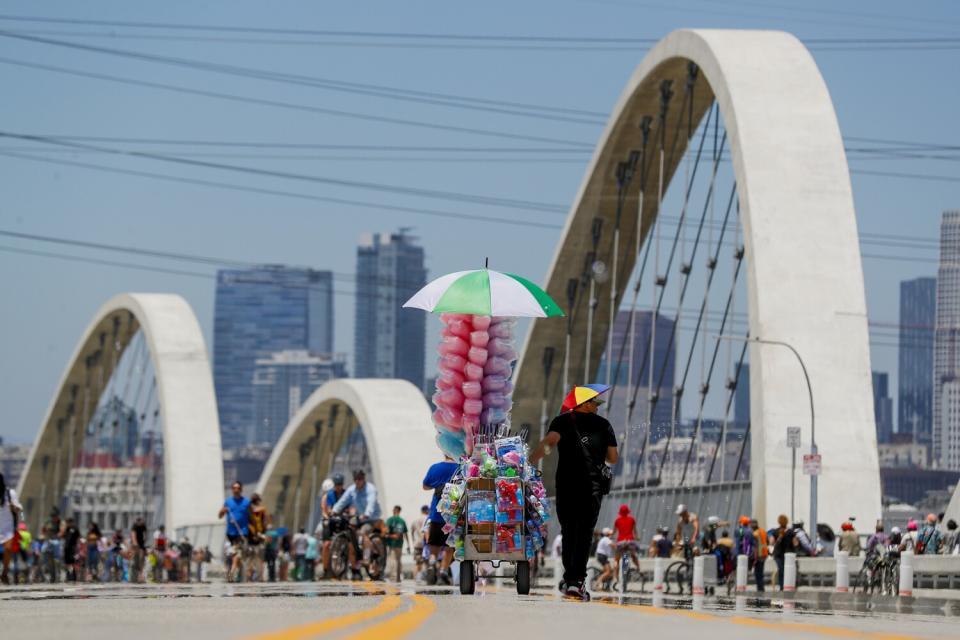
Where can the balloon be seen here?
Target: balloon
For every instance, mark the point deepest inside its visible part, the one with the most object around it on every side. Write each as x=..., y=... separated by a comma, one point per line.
x=481, y=322
x=477, y=356
x=479, y=338
x=450, y=378
x=453, y=344
x=494, y=383
x=452, y=361
x=473, y=372
x=472, y=407
x=472, y=389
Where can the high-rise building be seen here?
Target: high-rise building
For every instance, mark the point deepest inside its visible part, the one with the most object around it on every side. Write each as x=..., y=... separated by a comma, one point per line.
x=741, y=398
x=946, y=355
x=619, y=397
x=918, y=310
x=389, y=341
x=259, y=311
x=282, y=382
x=882, y=406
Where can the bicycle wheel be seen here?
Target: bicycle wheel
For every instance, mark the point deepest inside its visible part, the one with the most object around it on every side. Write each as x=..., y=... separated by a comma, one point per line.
x=339, y=555
x=378, y=559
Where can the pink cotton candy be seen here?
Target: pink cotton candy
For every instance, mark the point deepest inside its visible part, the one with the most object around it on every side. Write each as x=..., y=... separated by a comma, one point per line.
x=452, y=362
x=447, y=419
x=453, y=344
x=481, y=323
x=493, y=383
x=477, y=356
x=452, y=398
x=472, y=390
x=449, y=378
x=472, y=408
x=463, y=317
x=459, y=328
x=470, y=423
x=473, y=372
x=479, y=338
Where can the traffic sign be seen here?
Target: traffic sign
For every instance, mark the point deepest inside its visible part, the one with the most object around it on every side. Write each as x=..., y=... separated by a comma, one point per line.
x=793, y=437
x=811, y=464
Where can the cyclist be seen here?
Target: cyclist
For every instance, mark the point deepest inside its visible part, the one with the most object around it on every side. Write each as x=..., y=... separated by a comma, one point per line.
x=878, y=541
x=687, y=531
x=626, y=528
x=332, y=491
x=362, y=497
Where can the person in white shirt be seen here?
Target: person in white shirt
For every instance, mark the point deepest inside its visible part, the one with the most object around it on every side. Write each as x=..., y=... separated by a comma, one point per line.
x=605, y=549
x=9, y=513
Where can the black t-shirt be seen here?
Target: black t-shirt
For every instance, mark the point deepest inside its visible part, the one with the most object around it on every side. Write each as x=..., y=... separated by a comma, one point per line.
x=574, y=472
x=140, y=535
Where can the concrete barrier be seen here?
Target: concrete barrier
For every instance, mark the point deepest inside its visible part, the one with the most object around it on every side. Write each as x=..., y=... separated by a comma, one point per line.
x=790, y=572
x=906, y=574
x=659, y=566
x=742, y=566
x=698, y=576
x=843, y=572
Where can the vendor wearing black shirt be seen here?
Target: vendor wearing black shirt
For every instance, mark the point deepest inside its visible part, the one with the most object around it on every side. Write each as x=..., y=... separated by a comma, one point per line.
x=578, y=483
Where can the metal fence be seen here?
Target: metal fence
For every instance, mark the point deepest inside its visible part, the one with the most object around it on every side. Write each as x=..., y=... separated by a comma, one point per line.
x=204, y=535
x=657, y=506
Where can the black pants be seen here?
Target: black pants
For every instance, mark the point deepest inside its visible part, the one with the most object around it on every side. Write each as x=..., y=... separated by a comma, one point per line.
x=577, y=514
x=758, y=573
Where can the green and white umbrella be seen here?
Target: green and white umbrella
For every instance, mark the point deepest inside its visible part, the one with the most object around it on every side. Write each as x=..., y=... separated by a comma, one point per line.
x=485, y=293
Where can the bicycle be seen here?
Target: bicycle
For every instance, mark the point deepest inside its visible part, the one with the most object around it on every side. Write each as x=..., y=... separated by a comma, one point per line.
x=626, y=569
x=344, y=538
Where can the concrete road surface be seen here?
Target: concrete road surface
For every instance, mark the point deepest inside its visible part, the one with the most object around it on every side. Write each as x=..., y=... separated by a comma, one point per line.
x=294, y=611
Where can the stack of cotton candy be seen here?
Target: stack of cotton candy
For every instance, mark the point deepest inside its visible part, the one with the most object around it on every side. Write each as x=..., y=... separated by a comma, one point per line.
x=473, y=380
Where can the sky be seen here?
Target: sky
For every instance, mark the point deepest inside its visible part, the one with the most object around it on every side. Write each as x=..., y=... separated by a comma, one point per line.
x=893, y=90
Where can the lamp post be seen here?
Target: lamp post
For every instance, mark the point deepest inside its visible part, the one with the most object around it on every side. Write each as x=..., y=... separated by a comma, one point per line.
x=813, y=439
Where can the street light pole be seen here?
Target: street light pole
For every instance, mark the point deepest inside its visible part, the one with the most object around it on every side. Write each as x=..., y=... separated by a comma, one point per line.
x=813, y=439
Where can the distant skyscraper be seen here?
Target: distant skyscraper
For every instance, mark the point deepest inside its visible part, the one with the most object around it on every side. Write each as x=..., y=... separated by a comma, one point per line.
x=946, y=368
x=281, y=384
x=918, y=311
x=389, y=342
x=741, y=398
x=259, y=311
x=882, y=406
x=664, y=362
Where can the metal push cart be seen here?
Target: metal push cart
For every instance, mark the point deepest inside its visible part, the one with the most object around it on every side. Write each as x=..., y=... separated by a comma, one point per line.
x=480, y=539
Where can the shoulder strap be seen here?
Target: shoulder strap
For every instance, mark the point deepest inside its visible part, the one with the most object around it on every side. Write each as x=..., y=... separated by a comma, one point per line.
x=583, y=447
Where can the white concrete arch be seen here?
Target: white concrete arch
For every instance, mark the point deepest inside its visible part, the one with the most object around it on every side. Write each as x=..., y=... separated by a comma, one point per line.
x=393, y=416
x=192, y=459
x=804, y=273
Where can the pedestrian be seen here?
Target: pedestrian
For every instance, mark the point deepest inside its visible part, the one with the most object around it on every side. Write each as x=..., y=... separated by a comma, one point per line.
x=419, y=538
x=283, y=572
x=300, y=555
x=929, y=537
x=438, y=475
x=760, y=557
x=271, y=551
x=951, y=540
x=396, y=536
x=9, y=514
x=605, y=548
x=310, y=557
x=93, y=552
x=781, y=545
x=23, y=541
x=237, y=508
x=909, y=540
x=139, y=543
x=745, y=541
x=849, y=539
x=71, y=543
x=586, y=444
x=159, y=553
x=184, y=555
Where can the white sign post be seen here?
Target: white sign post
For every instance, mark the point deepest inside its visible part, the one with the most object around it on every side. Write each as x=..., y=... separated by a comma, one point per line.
x=793, y=441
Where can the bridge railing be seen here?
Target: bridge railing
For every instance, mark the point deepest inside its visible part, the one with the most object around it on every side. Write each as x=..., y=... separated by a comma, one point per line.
x=655, y=506
x=210, y=535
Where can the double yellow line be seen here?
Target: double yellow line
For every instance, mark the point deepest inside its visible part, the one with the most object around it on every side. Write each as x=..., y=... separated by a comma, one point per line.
x=395, y=626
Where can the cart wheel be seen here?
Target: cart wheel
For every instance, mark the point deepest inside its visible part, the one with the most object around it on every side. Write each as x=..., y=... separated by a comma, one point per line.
x=523, y=578
x=467, y=578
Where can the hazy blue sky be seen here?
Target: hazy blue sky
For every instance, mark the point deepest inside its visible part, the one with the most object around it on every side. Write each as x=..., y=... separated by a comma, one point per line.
x=892, y=92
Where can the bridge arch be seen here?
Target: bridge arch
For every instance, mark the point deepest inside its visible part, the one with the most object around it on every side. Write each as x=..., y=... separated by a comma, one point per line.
x=804, y=274
x=192, y=459
x=393, y=418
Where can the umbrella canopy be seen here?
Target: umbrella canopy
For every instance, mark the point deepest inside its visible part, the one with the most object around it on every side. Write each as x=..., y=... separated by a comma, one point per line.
x=579, y=395
x=485, y=293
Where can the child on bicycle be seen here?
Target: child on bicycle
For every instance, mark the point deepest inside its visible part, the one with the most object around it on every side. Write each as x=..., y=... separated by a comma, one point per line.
x=626, y=528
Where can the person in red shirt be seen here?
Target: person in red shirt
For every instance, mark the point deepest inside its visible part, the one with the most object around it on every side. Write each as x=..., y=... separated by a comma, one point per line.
x=626, y=528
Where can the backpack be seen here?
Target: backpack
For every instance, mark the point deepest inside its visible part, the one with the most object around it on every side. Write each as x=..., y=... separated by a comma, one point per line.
x=746, y=544
x=785, y=543
x=928, y=539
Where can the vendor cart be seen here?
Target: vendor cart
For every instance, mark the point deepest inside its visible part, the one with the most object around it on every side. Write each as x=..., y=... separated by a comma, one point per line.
x=481, y=543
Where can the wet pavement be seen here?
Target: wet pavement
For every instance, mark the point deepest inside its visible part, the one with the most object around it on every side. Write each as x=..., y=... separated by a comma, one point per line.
x=375, y=610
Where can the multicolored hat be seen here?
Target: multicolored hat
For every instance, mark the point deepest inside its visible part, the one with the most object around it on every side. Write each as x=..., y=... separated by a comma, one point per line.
x=579, y=395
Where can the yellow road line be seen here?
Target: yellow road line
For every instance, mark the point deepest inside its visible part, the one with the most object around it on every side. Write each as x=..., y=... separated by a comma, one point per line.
x=399, y=625
x=388, y=604
x=778, y=625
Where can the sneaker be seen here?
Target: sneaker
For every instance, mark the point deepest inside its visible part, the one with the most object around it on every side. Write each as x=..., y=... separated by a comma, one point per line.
x=577, y=592
x=562, y=586
x=356, y=576
x=445, y=578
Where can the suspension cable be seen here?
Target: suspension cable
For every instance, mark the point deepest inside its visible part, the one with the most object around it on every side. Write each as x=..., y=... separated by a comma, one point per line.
x=732, y=387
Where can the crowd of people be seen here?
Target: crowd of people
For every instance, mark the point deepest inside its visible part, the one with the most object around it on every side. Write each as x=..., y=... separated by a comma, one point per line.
x=726, y=540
